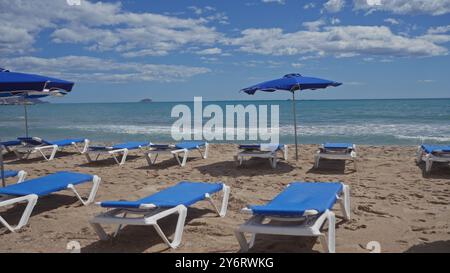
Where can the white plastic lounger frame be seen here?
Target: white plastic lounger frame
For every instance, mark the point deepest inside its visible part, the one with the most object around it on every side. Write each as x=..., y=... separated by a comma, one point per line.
x=21, y=176
x=31, y=200
x=309, y=225
x=272, y=156
x=119, y=155
x=150, y=215
x=175, y=153
x=429, y=159
x=336, y=155
x=24, y=152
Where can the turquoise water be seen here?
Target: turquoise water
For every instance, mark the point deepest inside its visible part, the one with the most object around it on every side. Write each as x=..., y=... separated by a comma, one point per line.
x=403, y=122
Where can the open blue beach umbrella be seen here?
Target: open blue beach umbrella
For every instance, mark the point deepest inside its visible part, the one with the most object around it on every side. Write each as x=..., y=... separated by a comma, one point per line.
x=29, y=86
x=291, y=83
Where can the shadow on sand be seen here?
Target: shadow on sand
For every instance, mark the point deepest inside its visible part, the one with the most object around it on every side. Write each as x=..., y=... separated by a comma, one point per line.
x=438, y=171
x=433, y=247
x=107, y=162
x=38, y=158
x=137, y=239
x=252, y=167
x=44, y=204
x=329, y=166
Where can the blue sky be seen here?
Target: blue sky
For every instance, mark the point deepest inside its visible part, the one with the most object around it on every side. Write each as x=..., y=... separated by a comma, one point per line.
x=177, y=49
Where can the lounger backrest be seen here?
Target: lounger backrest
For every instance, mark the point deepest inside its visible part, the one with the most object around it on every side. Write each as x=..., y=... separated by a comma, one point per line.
x=46, y=185
x=35, y=141
x=130, y=145
x=184, y=193
x=8, y=174
x=10, y=143
x=436, y=149
x=300, y=197
x=189, y=145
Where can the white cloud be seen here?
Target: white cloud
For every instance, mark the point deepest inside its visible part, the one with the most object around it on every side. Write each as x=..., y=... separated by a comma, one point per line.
x=334, y=6
x=339, y=41
x=309, y=5
x=281, y=2
x=104, y=26
x=432, y=7
x=439, y=30
x=210, y=51
x=314, y=25
x=90, y=69
x=392, y=21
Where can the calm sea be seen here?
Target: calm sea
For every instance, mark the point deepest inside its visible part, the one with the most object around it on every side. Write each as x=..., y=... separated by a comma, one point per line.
x=402, y=122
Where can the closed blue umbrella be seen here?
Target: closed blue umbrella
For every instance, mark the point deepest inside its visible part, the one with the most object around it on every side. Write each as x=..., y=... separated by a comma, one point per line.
x=13, y=84
x=291, y=83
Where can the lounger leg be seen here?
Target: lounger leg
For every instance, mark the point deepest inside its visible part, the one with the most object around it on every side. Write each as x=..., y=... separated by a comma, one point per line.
x=54, y=149
x=316, y=161
x=120, y=226
x=273, y=161
x=96, y=183
x=428, y=165
x=224, y=206
x=86, y=146
x=344, y=202
x=185, y=157
x=88, y=157
x=242, y=241
x=30, y=199
x=286, y=153
x=21, y=176
x=331, y=232
x=124, y=157
x=100, y=231
x=239, y=160
x=182, y=212
x=151, y=161
x=419, y=155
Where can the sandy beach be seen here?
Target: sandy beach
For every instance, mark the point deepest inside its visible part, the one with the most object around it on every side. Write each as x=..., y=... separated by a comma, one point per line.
x=393, y=203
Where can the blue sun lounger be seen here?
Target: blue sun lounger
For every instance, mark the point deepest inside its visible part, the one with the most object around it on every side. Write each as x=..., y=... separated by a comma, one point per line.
x=433, y=153
x=29, y=191
x=175, y=150
x=9, y=145
x=116, y=151
x=269, y=151
x=173, y=200
x=32, y=145
x=21, y=175
x=336, y=151
x=305, y=206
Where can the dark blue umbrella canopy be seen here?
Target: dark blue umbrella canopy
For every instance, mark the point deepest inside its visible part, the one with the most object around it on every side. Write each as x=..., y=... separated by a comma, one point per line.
x=291, y=82
x=14, y=84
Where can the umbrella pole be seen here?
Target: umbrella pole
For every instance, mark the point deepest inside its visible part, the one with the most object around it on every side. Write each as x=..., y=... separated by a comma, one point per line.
x=2, y=173
x=26, y=117
x=295, y=124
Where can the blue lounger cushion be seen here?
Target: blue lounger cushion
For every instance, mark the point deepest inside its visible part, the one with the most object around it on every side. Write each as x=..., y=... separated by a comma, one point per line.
x=8, y=174
x=436, y=148
x=47, y=184
x=190, y=145
x=184, y=193
x=255, y=147
x=11, y=143
x=127, y=145
x=338, y=146
x=66, y=142
x=300, y=197
x=60, y=143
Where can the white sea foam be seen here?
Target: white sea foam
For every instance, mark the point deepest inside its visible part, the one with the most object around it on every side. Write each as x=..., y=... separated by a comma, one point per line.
x=425, y=132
